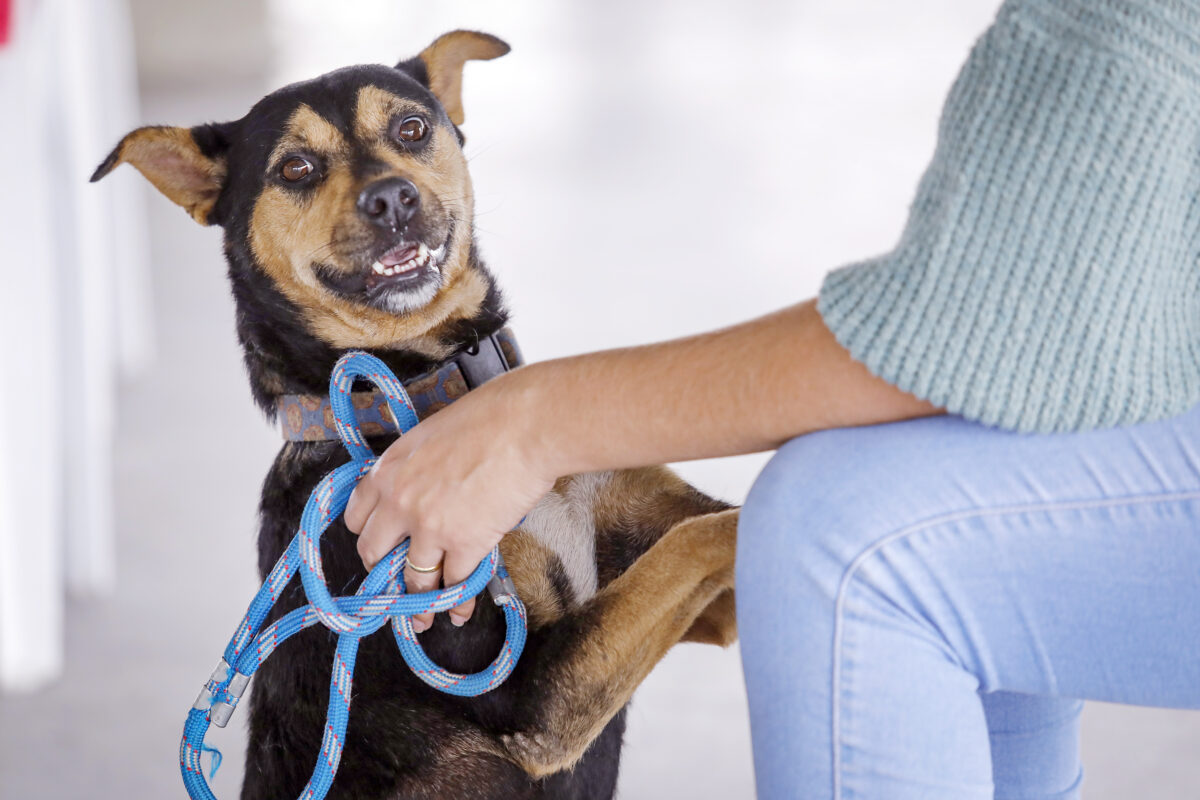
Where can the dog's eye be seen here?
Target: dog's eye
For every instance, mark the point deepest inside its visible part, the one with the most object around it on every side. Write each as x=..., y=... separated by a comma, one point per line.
x=412, y=129
x=295, y=168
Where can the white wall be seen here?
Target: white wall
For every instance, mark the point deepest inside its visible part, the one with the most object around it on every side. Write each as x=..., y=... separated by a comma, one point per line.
x=201, y=44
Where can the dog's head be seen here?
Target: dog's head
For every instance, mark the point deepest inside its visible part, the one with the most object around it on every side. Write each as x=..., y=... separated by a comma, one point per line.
x=346, y=196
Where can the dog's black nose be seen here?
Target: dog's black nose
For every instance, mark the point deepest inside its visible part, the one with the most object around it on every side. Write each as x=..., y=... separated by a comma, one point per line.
x=389, y=203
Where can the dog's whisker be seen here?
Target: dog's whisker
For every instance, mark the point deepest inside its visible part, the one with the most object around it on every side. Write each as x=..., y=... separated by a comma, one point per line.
x=483, y=149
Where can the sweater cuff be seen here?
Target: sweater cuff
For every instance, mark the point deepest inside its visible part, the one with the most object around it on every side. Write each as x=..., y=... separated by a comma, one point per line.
x=1048, y=277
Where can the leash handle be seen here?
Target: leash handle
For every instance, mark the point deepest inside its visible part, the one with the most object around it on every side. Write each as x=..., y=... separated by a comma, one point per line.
x=380, y=598
x=341, y=383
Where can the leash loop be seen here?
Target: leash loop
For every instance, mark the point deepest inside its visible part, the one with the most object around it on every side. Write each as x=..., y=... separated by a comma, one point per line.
x=380, y=599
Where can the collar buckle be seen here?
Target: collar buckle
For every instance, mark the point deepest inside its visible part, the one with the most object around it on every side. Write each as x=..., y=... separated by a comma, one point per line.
x=482, y=362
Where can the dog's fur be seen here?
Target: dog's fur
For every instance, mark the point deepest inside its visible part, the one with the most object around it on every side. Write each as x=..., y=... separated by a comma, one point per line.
x=615, y=568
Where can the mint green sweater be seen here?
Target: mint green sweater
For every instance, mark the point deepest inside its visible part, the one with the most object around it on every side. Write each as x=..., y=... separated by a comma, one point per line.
x=1048, y=278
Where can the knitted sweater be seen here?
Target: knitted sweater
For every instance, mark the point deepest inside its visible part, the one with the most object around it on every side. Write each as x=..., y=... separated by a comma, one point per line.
x=1048, y=278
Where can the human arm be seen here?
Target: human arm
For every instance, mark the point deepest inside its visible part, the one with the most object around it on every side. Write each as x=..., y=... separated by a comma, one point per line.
x=461, y=479
x=1045, y=282
x=742, y=389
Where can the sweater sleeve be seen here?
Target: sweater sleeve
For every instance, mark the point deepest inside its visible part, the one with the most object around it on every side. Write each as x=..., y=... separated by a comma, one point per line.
x=1048, y=277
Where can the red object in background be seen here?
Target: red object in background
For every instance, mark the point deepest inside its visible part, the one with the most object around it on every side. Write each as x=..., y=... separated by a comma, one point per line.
x=5, y=20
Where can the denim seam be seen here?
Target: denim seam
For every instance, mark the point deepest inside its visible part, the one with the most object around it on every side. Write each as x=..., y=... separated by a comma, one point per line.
x=945, y=519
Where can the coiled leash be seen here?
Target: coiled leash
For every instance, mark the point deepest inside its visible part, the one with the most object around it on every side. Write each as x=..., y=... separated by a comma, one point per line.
x=380, y=598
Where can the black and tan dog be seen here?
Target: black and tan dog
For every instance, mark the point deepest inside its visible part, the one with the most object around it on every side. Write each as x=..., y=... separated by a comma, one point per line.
x=347, y=211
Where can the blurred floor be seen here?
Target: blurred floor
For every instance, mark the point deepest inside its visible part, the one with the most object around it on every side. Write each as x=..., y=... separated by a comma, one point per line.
x=642, y=171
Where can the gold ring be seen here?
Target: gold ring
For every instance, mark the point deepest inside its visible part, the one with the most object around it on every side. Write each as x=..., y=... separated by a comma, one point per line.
x=435, y=568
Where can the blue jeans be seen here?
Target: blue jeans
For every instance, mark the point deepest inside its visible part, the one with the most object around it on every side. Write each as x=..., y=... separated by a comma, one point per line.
x=923, y=606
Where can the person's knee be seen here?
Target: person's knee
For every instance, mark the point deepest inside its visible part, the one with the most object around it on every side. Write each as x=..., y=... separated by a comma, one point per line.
x=778, y=499
x=825, y=499
x=788, y=520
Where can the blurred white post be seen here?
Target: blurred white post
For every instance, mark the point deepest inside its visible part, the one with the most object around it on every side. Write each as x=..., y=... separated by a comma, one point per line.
x=75, y=314
x=89, y=328
x=31, y=583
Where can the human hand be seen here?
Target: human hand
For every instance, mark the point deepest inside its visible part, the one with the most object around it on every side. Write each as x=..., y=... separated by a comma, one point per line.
x=453, y=486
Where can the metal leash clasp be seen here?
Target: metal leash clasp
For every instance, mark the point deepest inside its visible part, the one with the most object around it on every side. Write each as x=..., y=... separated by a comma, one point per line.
x=501, y=586
x=234, y=686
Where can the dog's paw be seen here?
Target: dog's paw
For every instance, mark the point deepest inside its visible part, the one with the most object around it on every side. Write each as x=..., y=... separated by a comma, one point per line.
x=717, y=624
x=711, y=540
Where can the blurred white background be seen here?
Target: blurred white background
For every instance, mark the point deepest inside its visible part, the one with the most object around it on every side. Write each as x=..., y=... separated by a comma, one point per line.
x=643, y=171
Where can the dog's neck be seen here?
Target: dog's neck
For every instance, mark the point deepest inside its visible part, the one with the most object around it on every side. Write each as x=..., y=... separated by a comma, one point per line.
x=284, y=357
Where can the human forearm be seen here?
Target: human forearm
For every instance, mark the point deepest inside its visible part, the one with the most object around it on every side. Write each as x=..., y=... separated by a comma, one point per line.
x=738, y=390
x=460, y=479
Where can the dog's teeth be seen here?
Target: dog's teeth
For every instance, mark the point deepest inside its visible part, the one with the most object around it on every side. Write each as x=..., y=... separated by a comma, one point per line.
x=422, y=258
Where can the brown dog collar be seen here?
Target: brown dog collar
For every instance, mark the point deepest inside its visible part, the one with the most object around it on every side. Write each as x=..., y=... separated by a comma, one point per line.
x=309, y=417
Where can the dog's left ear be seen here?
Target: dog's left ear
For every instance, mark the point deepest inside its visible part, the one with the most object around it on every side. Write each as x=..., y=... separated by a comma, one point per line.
x=442, y=64
x=185, y=164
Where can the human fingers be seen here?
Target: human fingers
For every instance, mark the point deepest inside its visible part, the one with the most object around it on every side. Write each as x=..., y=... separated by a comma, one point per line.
x=423, y=573
x=362, y=502
x=380, y=534
x=375, y=488
x=458, y=567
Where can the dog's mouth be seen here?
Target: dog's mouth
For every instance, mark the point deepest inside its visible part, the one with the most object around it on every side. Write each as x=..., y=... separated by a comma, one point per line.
x=404, y=276
x=404, y=262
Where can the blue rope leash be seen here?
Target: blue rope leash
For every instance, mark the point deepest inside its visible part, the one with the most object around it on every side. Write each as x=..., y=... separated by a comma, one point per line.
x=380, y=599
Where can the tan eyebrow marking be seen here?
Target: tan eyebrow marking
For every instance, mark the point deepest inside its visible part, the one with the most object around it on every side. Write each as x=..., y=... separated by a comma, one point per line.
x=375, y=107
x=308, y=130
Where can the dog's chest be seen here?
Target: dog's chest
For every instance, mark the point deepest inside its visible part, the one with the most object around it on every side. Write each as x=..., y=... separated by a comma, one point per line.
x=564, y=522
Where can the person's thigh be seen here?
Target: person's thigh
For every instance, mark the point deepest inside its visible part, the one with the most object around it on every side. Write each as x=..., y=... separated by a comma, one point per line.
x=889, y=575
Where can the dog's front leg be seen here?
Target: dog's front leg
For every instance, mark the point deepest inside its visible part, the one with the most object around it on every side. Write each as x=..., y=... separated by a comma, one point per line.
x=618, y=636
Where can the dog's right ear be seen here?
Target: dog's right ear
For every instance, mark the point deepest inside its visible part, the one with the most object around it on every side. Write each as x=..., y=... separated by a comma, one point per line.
x=188, y=165
x=440, y=66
